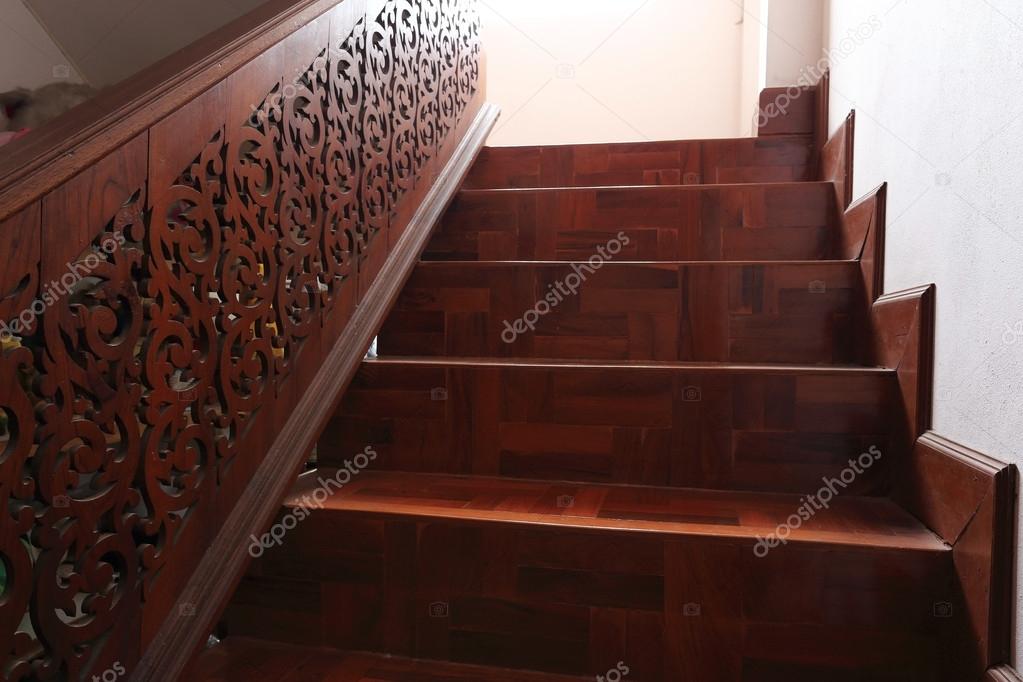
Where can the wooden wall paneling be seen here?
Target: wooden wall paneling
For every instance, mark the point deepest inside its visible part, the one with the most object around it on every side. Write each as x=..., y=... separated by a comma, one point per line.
x=208, y=591
x=91, y=360
x=902, y=325
x=837, y=160
x=969, y=500
x=19, y=287
x=201, y=277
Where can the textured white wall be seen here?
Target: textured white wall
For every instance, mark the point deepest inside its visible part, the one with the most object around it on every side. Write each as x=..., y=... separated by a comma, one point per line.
x=939, y=98
x=28, y=56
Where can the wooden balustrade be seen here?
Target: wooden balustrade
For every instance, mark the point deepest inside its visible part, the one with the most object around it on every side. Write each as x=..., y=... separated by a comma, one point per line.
x=182, y=259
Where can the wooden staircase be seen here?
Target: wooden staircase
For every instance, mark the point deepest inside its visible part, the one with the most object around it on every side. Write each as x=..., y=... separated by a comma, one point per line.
x=682, y=469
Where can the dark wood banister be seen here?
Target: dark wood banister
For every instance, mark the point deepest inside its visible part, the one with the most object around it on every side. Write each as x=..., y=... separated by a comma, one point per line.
x=177, y=388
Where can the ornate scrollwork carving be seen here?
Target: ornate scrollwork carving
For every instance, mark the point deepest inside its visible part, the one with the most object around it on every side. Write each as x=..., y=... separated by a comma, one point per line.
x=125, y=405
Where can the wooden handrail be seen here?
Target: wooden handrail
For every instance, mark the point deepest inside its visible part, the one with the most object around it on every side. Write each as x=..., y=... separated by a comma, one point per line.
x=195, y=263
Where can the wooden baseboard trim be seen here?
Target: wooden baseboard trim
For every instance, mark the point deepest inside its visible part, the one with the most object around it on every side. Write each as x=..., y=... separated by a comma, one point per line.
x=1003, y=673
x=223, y=564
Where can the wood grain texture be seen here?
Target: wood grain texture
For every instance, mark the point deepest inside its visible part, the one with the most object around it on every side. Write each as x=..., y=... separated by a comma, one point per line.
x=788, y=111
x=969, y=499
x=689, y=162
x=184, y=290
x=510, y=574
x=208, y=591
x=786, y=221
x=862, y=230
x=253, y=660
x=837, y=161
x=902, y=328
x=772, y=428
x=730, y=312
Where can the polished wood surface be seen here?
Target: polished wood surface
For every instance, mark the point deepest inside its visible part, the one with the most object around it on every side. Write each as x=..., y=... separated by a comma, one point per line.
x=785, y=221
x=969, y=499
x=787, y=158
x=729, y=312
x=603, y=492
x=573, y=579
x=837, y=161
x=252, y=660
x=182, y=291
x=771, y=428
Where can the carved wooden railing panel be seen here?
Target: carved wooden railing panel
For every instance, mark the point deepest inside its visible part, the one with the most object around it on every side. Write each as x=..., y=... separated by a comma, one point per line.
x=167, y=305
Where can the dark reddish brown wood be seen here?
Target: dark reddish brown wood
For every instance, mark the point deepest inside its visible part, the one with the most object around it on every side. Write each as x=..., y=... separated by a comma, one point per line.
x=787, y=221
x=770, y=312
x=969, y=500
x=192, y=283
x=691, y=162
x=837, y=161
x=715, y=426
x=902, y=326
x=575, y=579
x=253, y=660
x=787, y=111
x=822, y=103
x=862, y=230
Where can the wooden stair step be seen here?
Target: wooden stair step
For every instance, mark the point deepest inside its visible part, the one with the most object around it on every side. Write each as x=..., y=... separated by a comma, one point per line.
x=575, y=579
x=788, y=158
x=699, y=425
x=783, y=221
x=800, y=312
x=849, y=521
x=242, y=659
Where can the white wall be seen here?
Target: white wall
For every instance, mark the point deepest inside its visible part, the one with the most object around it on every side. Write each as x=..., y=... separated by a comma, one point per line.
x=939, y=98
x=28, y=56
x=568, y=71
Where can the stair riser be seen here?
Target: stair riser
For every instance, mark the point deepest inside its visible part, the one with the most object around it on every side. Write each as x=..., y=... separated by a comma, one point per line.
x=669, y=608
x=786, y=313
x=779, y=431
x=753, y=222
x=787, y=159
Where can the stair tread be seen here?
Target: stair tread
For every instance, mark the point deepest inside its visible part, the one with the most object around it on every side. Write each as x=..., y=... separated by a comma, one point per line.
x=767, y=368
x=663, y=188
x=244, y=659
x=847, y=521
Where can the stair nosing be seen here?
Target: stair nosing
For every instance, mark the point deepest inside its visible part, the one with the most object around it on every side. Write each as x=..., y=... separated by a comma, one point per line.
x=820, y=538
x=779, y=368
